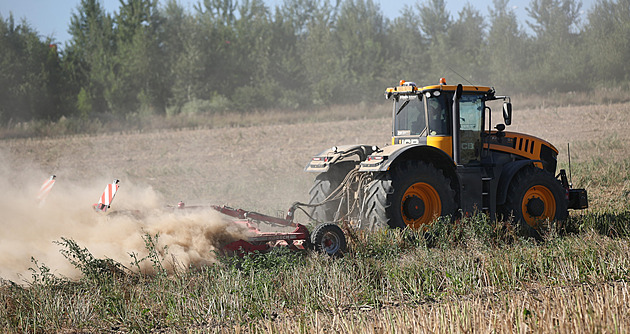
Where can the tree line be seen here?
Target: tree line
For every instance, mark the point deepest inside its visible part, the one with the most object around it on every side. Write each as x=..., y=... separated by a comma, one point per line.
x=225, y=55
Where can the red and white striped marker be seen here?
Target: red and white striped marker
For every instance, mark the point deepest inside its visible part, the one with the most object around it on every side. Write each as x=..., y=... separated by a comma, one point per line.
x=107, y=197
x=45, y=189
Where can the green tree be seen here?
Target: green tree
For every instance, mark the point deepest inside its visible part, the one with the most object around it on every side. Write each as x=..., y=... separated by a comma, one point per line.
x=254, y=86
x=507, y=49
x=461, y=50
x=361, y=31
x=138, y=83
x=274, y=77
x=406, y=49
x=455, y=47
x=30, y=74
x=435, y=23
x=286, y=67
x=608, y=38
x=300, y=14
x=216, y=38
x=182, y=55
x=89, y=56
x=435, y=20
x=555, y=18
x=320, y=54
x=558, y=56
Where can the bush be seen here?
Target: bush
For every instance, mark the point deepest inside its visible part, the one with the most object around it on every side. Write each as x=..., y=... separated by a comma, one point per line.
x=196, y=106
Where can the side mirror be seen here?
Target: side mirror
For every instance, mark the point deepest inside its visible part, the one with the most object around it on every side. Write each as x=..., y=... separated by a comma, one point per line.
x=458, y=91
x=507, y=113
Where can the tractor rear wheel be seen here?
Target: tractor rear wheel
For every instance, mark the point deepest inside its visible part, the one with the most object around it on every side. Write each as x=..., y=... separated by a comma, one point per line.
x=324, y=184
x=534, y=196
x=413, y=195
x=375, y=203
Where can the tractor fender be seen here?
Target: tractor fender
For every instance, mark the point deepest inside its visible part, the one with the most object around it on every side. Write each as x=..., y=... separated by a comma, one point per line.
x=394, y=154
x=399, y=153
x=338, y=155
x=507, y=174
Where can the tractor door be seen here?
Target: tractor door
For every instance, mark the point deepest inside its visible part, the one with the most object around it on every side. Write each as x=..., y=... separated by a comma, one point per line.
x=438, y=106
x=471, y=115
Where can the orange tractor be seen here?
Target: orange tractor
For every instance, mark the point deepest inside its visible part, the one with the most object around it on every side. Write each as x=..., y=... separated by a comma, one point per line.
x=444, y=159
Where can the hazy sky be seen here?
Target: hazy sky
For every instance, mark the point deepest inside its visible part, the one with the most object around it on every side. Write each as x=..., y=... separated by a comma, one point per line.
x=51, y=17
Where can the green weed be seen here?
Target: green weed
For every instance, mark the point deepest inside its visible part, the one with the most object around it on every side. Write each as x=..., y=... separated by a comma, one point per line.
x=93, y=269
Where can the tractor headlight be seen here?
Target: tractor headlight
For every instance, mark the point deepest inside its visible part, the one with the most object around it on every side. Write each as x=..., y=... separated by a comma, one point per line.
x=320, y=159
x=373, y=161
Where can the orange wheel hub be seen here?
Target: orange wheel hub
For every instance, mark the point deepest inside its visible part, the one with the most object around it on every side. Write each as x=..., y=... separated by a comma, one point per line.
x=538, y=205
x=420, y=205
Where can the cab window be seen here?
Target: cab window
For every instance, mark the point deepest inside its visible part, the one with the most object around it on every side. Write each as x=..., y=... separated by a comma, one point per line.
x=470, y=113
x=438, y=112
x=471, y=109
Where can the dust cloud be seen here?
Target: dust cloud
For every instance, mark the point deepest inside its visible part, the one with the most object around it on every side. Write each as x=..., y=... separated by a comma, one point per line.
x=186, y=238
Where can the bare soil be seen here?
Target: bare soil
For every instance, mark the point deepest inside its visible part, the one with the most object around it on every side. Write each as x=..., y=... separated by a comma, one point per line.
x=261, y=167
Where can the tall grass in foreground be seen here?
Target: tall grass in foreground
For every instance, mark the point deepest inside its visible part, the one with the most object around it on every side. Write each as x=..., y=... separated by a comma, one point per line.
x=475, y=275
x=600, y=308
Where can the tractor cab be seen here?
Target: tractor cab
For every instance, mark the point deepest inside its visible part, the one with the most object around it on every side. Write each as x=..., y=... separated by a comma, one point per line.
x=424, y=115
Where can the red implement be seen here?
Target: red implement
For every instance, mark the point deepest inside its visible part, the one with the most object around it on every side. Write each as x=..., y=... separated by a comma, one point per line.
x=263, y=241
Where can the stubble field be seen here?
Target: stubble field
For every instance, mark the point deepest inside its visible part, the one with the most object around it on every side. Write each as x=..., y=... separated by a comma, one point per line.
x=572, y=282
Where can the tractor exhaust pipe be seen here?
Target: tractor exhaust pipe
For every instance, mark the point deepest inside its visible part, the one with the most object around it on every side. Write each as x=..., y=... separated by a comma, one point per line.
x=456, y=140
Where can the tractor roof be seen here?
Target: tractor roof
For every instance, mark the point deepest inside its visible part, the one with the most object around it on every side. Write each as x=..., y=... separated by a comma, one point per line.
x=406, y=88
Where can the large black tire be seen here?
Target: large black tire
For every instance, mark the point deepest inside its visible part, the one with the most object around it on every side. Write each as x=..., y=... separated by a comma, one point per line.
x=324, y=184
x=329, y=239
x=375, y=203
x=534, y=196
x=413, y=195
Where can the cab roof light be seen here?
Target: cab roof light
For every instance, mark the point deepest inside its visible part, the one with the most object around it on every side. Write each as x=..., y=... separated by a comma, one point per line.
x=442, y=81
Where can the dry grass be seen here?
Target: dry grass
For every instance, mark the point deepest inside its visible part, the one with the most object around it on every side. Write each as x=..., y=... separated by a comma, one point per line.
x=386, y=283
x=575, y=309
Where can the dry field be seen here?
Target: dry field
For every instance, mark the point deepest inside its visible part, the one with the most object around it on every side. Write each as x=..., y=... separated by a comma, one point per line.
x=258, y=167
x=261, y=168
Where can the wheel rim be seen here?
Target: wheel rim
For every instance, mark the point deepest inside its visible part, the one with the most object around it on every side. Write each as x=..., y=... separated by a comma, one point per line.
x=538, y=204
x=420, y=205
x=330, y=242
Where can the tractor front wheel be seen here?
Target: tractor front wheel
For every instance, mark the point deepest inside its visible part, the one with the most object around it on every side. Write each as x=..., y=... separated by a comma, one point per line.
x=534, y=197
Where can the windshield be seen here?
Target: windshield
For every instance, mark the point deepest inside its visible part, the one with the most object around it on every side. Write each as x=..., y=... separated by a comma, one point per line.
x=410, y=116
